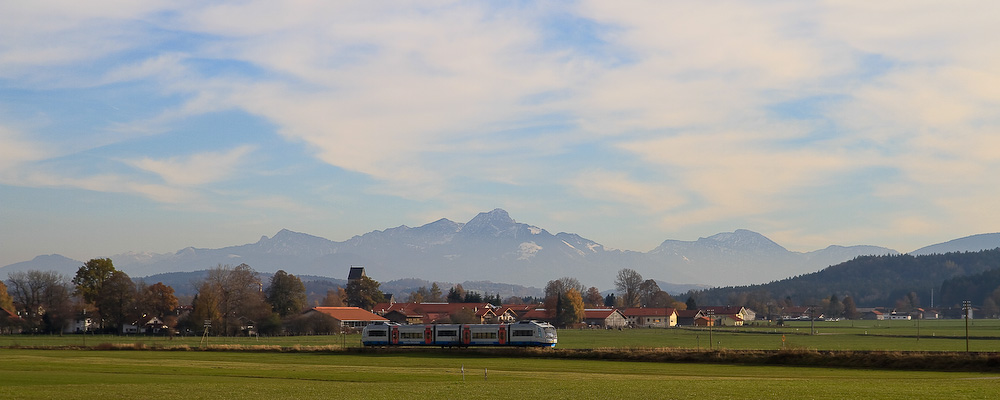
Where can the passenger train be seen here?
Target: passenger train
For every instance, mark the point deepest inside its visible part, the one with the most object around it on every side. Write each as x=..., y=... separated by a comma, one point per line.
x=524, y=333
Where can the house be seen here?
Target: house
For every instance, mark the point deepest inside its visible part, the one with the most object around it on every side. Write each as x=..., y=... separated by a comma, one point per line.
x=729, y=320
x=153, y=325
x=797, y=313
x=518, y=309
x=688, y=317
x=703, y=321
x=9, y=322
x=651, y=317
x=438, y=313
x=744, y=313
x=604, y=317
x=539, y=314
x=871, y=314
x=351, y=317
x=81, y=323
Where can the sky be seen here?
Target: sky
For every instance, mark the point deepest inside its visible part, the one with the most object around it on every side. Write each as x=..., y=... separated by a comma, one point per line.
x=156, y=125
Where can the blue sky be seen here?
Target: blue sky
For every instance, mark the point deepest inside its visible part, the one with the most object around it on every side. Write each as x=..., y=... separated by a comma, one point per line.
x=156, y=125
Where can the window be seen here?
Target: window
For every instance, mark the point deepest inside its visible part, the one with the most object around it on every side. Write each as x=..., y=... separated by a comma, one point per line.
x=411, y=335
x=447, y=333
x=484, y=335
x=522, y=332
x=377, y=333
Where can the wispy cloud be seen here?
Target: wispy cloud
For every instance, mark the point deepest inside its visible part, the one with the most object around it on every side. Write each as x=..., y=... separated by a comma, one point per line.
x=697, y=114
x=196, y=169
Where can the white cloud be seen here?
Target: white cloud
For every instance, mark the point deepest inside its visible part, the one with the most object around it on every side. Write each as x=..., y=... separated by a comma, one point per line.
x=196, y=169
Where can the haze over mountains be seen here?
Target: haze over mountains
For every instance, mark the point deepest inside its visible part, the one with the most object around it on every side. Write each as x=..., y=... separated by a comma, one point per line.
x=492, y=246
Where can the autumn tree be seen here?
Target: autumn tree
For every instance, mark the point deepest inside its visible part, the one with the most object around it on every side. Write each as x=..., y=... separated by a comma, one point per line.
x=628, y=285
x=335, y=298
x=231, y=297
x=286, y=294
x=435, y=294
x=593, y=298
x=116, y=300
x=563, y=301
x=418, y=296
x=6, y=302
x=91, y=276
x=364, y=293
x=850, y=310
x=571, y=308
x=158, y=300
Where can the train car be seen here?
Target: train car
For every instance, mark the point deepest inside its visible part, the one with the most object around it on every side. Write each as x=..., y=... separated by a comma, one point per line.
x=524, y=333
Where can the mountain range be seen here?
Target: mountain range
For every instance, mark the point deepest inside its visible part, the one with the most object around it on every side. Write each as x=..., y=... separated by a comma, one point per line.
x=492, y=246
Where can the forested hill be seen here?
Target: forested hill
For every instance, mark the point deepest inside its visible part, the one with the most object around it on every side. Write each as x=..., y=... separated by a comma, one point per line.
x=870, y=281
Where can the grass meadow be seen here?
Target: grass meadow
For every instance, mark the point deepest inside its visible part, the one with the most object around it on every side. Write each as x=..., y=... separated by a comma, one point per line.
x=78, y=366
x=932, y=335
x=87, y=374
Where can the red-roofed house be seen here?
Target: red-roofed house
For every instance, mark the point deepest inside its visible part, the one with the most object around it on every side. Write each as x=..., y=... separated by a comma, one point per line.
x=538, y=314
x=604, y=317
x=650, y=317
x=435, y=313
x=688, y=317
x=744, y=313
x=351, y=317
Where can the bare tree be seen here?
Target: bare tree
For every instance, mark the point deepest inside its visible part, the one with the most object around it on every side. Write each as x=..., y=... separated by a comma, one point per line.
x=41, y=298
x=628, y=284
x=234, y=295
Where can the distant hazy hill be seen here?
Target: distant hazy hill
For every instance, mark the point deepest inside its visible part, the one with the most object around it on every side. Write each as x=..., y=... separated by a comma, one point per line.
x=54, y=262
x=869, y=280
x=493, y=247
x=983, y=241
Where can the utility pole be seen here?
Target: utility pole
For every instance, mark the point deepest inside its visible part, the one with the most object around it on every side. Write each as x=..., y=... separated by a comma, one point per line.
x=966, y=307
x=711, y=323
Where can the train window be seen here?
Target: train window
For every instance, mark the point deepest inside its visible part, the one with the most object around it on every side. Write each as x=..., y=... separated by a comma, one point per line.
x=447, y=333
x=522, y=332
x=484, y=335
x=376, y=333
x=411, y=335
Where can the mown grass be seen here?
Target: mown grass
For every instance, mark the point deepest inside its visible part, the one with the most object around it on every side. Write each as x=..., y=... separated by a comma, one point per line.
x=71, y=374
x=933, y=335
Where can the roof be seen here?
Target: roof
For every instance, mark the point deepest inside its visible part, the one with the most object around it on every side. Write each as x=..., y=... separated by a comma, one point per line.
x=722, y=309
x=348, y=313
x=540, y=313
x=648, y=312
x=433, y=312
x=599, y=313
x=687, y=313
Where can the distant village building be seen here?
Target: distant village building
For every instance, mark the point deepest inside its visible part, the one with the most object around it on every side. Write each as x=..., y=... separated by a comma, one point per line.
x=604, y=318
x=651, y=317
x=348, y=317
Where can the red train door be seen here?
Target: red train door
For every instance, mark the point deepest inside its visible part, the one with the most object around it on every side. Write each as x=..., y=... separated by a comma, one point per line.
x=395, y=335
x=428, y=335
x=466, y=335
x=502, y=334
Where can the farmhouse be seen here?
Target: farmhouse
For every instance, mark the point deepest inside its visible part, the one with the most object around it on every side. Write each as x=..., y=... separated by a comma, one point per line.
x=604, y=317
x=688, y=317
x=441, y=313
x=351, y=317
x=745, y=314
x=651, y=317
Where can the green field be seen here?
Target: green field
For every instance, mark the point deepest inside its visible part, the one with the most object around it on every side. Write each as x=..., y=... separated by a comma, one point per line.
x=87, y=374
x=933, y=335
